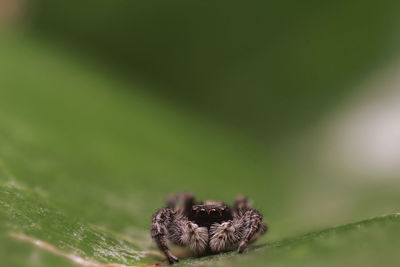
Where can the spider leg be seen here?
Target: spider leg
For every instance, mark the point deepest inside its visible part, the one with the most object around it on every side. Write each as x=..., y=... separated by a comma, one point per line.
x=253, y=227
x=181, y=201
x=161, y=220
x=241, y=205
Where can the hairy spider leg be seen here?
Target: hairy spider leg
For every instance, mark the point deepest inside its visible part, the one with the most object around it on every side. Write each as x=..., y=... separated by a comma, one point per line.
x=253, y=227
x=159, y=231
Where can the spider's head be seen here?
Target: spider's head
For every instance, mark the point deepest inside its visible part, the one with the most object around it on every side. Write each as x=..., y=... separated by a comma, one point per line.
x=206, y=215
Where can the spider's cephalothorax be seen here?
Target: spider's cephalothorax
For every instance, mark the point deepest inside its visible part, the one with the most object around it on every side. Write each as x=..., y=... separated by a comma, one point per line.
x=206, y=227
x=206, y=215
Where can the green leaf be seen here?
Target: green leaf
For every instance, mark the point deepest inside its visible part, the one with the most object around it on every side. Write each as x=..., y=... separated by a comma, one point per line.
x=85, y=162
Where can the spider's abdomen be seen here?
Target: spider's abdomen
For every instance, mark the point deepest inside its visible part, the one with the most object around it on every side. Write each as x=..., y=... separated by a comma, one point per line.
x=206, y=215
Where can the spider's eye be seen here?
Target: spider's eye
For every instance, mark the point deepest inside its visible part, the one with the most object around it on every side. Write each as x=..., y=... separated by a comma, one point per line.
x=221, y=211
x=202, y=211
x=213, y=212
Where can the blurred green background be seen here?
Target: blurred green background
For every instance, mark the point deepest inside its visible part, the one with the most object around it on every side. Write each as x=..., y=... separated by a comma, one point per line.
x=265, y=67
x=108, y=106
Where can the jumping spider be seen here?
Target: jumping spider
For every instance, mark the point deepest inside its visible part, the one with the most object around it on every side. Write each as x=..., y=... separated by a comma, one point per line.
x=207, y=227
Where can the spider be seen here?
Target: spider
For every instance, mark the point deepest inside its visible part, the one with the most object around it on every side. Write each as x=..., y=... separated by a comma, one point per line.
x=207, y=227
